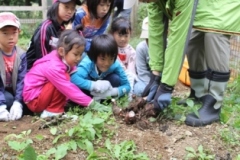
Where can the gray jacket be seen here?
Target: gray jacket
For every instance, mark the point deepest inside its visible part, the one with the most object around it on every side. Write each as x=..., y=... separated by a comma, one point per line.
x=19, y=71
x=142, y=62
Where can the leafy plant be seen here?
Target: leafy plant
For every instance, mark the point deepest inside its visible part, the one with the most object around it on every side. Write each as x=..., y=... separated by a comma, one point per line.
x=124, y=150
x=19, y=142
x=200, y=154
x=85, y=132
x=230, y=136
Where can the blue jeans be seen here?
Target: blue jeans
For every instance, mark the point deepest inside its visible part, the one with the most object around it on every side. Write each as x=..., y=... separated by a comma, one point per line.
x=139, y=87
x=120, y=11
x=9, y=99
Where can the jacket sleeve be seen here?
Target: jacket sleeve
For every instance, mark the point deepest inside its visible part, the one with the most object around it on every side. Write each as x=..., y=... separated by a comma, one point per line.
x=103, y=28
x=39, y=45
x=78, y=17
x=57, y=76
x=124, y=87
x=2, y=89
x=22, y=70
x=81, y=78
x=131, y=66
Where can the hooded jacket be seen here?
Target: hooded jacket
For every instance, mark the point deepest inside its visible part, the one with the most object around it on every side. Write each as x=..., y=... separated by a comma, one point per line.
x=43, y=41
x=86, y=73
x=52, y=69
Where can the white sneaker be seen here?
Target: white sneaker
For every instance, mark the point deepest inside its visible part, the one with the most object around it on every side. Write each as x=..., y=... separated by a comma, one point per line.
x=48, y=114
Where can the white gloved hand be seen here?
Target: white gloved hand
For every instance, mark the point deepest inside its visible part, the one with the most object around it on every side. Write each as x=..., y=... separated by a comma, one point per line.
x=100, y=86
x=108, y=93
x=4, y=114
x=16, y=111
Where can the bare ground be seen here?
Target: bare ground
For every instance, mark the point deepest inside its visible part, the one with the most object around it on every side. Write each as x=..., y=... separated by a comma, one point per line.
x=162, y=140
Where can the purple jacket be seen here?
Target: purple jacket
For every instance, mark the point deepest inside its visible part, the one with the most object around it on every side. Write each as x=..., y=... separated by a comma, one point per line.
x=51, y=68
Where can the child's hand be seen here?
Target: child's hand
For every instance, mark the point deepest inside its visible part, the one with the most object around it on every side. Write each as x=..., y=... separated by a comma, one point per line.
x=100, y=86
x=16, y=111
x=4, y=114
x=108, y=93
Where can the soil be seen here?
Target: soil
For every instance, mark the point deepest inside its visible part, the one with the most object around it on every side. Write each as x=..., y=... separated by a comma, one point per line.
x=161, y=140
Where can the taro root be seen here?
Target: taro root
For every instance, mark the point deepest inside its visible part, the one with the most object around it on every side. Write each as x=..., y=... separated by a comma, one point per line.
x=140, y=102
x=115, y=109
x=150, y=111
x=130, y=117
x=136, y=103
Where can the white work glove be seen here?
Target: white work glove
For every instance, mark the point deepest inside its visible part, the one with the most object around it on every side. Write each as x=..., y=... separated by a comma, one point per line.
x=108, y=93
x=16, y=111
x=4, y=114
x=100, y=86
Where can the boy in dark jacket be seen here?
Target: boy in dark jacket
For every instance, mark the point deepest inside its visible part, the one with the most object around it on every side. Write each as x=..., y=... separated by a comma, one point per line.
x=12, y=68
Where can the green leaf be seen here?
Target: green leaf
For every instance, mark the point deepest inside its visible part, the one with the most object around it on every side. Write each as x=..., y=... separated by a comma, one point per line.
x=97, y=121
x=108, y=144
x=28, y=141
x=89, y=146
x=71, y=131
x=29, y=153
x=51, y=151
x=117, y=150
x=196, y=113
x=72, y=145
x=29, y=131
x=81, y=144
x=190, y=155
x=56, y=139
x=190, y=149
x=200, y=149
x=53, y=130
x=190, y=102
x=61, y=151
x=91, y=134
x=39, y=137
x=15, y=145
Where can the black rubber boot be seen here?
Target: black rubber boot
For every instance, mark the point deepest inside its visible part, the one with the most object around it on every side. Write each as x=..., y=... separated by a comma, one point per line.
x=197, y=80
x=207, y=114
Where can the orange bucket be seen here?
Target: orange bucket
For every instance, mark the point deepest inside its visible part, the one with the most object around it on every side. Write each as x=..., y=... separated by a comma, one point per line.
x=184, y=76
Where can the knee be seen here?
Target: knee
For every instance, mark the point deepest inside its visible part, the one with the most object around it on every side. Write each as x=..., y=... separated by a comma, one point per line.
x=138, y=88
x=9, y=99
x=114, y=79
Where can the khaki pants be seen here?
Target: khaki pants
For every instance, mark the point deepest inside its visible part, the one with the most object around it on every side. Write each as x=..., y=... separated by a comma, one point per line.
x=208, y=51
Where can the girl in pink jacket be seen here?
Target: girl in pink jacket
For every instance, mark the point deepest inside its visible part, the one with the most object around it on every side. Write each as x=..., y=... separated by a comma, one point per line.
x=47, y=85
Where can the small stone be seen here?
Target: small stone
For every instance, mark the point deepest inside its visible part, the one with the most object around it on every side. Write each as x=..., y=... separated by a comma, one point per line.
x=188, y=133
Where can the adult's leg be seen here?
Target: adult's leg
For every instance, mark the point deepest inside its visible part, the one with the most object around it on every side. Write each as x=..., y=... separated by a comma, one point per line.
x=217, y=47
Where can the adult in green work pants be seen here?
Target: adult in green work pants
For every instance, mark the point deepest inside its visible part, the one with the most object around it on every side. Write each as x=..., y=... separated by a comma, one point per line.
x=201, y=30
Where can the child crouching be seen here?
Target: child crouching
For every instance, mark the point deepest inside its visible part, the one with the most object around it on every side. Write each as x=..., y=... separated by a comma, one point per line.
x=99, y=74
x=47, y=85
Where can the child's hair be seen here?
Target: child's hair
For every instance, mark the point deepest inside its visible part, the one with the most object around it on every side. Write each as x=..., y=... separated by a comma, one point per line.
x=92, y=7
x=121, y=25
x=52, y=13
x=104, y=45
x=70, y=37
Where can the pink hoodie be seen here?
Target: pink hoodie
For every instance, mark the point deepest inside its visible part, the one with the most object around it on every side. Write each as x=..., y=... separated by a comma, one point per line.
x=51, y=68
